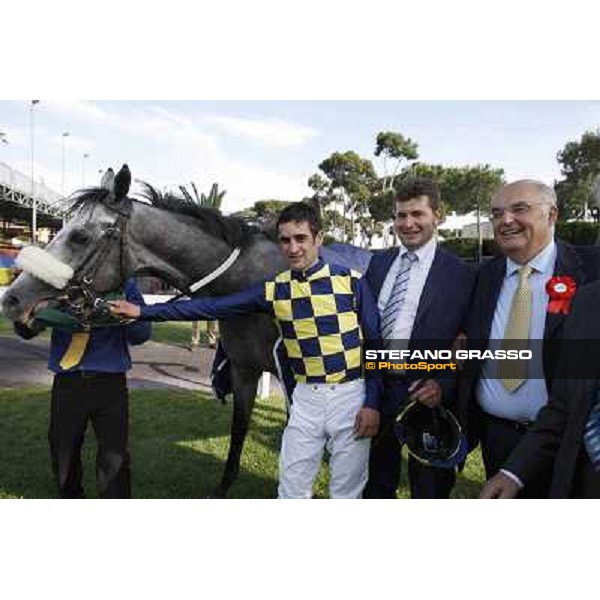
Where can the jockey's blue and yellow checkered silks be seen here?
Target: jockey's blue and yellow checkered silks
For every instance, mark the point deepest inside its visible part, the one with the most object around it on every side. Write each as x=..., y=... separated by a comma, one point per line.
x=317, y=316
x=323, y=313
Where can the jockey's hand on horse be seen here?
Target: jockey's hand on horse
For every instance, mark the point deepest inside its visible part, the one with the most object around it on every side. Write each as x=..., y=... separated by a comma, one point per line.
x=124, y=309
x=366, y=423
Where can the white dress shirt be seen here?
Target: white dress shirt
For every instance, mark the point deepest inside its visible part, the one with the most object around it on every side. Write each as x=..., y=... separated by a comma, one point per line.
x=524, y=403
x=419, y=271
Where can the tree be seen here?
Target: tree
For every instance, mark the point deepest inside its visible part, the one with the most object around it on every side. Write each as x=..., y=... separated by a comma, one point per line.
x=580, y=165
x=392, y=145
x=263, y=213
x=349, y=181
x=3, y=138
x=214, y=199
x=463, y=189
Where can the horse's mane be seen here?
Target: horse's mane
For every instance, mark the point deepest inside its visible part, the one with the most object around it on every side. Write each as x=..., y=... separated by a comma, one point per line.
x=233, y=230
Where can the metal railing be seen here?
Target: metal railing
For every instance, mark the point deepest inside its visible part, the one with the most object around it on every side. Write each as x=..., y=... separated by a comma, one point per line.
x=48, y=201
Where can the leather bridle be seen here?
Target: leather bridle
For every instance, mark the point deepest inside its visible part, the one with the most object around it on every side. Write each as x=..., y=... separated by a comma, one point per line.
x=81, y=297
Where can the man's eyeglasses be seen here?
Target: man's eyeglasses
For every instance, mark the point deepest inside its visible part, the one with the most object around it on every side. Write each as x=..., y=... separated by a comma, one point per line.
x=519, y=209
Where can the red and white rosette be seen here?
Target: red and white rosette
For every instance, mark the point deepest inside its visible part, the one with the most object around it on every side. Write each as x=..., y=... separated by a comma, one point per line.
x=561, y=291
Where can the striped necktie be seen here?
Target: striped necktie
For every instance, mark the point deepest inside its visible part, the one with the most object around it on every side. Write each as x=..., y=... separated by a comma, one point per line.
x=513, y=372
x=591, y=434
x=397, y=295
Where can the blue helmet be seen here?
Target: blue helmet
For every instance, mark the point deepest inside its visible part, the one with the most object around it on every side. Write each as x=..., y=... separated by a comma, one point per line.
x=432, y=436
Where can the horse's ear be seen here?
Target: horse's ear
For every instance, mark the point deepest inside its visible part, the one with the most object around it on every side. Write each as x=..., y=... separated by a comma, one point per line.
x=108, y=180
x=122, y=183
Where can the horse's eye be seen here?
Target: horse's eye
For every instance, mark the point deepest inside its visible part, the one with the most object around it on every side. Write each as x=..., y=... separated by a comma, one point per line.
x=79, y=237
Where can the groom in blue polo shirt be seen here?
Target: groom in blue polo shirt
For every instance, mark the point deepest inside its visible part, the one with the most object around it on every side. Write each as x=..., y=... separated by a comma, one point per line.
x=90, y=384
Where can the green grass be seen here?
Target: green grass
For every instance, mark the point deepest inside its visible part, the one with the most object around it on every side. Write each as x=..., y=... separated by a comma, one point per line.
x=178, y=443
x=179, y=334
x=6, y=328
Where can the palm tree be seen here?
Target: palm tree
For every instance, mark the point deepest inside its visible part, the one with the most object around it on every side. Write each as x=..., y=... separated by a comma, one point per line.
x=213, y=200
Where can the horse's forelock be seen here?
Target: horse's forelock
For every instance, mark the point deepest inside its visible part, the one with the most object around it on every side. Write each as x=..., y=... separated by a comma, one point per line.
x=96, y=195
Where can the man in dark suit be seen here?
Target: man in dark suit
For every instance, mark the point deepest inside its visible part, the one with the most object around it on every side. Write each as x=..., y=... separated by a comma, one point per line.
x=511, y=302
x=423, y=294
x=566, y=433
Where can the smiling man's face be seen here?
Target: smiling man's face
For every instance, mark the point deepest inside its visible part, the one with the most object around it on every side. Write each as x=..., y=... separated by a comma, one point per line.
x=416, y=222
x=523, y=220
x=299, y=244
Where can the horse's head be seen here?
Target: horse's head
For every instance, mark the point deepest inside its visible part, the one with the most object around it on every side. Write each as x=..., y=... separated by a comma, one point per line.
x=85, y=258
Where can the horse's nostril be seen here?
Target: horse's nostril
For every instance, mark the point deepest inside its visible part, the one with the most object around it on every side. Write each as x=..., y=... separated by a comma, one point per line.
x=10, y=301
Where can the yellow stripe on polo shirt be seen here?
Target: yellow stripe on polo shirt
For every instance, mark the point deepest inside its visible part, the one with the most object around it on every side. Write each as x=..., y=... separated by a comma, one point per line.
x=74, y=353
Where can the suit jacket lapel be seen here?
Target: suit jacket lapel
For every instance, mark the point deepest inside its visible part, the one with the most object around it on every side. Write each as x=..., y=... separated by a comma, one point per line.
x=380, y=274
x=488, y=295
x=567, y=263
x=433, y=287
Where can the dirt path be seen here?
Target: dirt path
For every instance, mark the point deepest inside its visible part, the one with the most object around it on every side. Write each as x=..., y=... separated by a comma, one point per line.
x=154, y=365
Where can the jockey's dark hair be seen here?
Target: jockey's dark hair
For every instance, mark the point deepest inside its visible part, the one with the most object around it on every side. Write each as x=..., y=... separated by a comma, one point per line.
x=299, y=212
x=419, y=186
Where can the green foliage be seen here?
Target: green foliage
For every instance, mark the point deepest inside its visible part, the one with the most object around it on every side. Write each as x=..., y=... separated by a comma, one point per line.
x=269, y=209
x=318, y=184
x=392, y=145
x=382, y=206
x=467, y=247
x=580, y=166
x=263, y=213
x=346, y=188
x=461, y=187
x=581, y=160
x=572, y=196
x=350, y=173
x=395, y=145
x=354, y=195
x=213, y=200
x=578, y=233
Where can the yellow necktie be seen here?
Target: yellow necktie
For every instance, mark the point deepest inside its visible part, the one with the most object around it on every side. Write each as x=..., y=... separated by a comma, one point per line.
x=75, y=351
x=513, y=372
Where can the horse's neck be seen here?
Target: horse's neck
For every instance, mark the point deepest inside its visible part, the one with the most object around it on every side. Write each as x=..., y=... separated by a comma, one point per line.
x=170, y=247
x=260, y=260
x=178, y=251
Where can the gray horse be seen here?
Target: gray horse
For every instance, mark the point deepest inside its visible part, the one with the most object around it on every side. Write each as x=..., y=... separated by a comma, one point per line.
x=111, y=237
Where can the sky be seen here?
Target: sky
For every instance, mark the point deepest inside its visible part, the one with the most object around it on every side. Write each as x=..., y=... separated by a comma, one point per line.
x=268, y=149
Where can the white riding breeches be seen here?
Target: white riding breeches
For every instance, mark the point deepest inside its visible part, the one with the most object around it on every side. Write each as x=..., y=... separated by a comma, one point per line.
x=322, y=415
